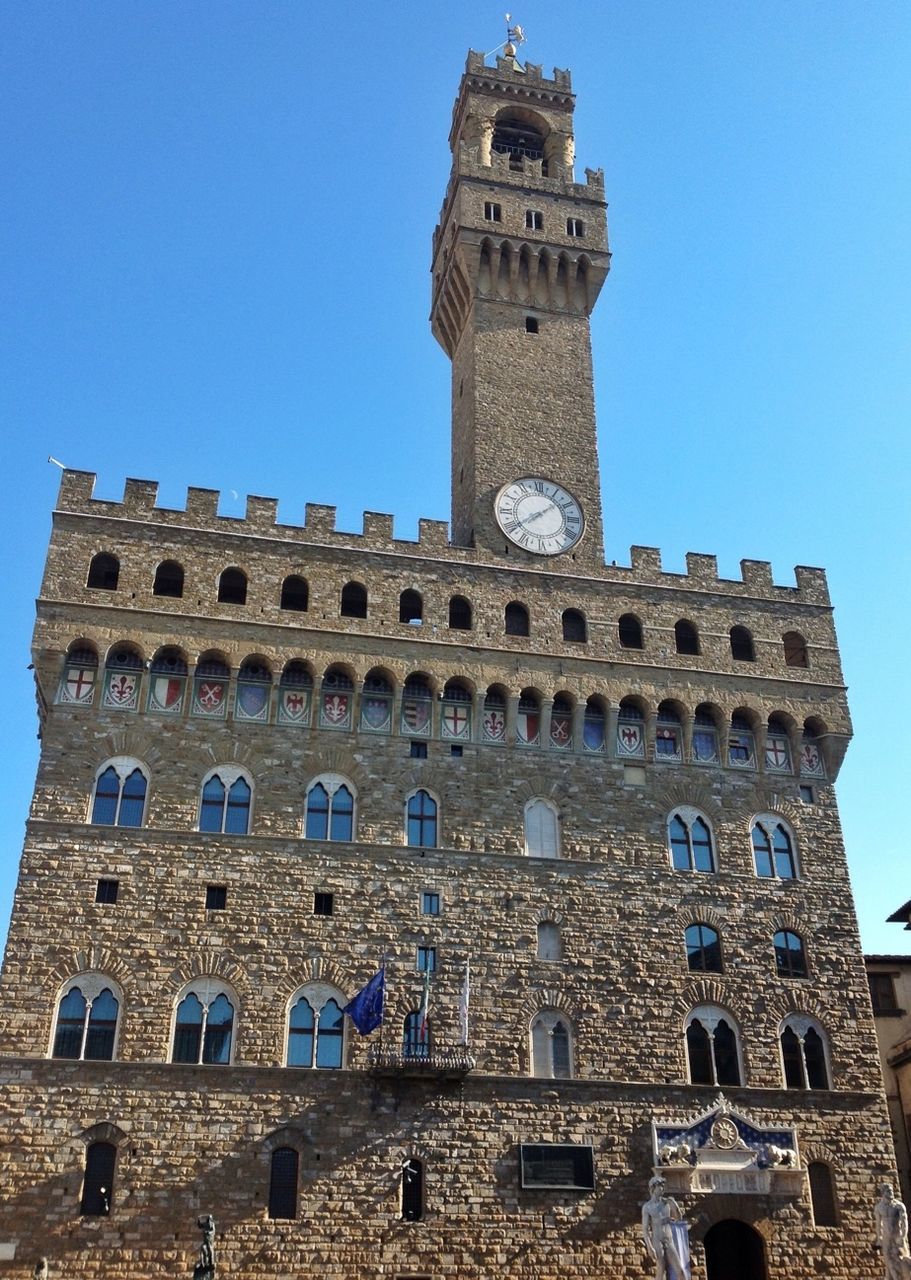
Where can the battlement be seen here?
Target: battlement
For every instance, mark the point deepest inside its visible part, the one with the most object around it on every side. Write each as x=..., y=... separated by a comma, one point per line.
x=140, y=497
x=530, y=74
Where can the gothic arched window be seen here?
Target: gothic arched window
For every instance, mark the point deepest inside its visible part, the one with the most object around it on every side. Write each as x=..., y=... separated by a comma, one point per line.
x=803, y=1053
x=711, y=1045
x=551, y=1046
x=120, y=794
x=316, y=1030
x=204, y=1024
x=225, y=801
x=87, y=1015
x=773, y=849
x=690, y=840
x=329, y=808
x=421, y=813
x=542, y=829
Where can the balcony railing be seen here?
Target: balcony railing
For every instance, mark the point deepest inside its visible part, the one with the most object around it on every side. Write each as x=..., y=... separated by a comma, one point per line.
x=451, y=1062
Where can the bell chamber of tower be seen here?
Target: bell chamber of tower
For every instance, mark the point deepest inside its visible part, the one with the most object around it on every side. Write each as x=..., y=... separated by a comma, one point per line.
x=519, y=258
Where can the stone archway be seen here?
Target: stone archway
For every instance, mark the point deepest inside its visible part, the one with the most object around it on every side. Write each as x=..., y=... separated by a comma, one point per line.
x=734, y=1251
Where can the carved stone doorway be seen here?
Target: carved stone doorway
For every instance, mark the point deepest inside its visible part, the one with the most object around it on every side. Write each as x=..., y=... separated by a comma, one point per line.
x=734, y=1251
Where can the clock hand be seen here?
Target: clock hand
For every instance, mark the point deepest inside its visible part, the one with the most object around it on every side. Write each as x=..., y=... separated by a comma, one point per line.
x=536, y=515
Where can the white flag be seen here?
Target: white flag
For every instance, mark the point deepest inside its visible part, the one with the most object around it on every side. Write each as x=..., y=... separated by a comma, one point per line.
x=463, y=1007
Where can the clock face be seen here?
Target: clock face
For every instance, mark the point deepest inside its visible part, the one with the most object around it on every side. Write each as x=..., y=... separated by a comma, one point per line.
x=539, y=516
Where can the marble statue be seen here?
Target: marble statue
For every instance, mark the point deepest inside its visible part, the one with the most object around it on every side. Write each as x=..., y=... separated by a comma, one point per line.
x=205, y=1267
x=891, y=1225
x=665, y=1233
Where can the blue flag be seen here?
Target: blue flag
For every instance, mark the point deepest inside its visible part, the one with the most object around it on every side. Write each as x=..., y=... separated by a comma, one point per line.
x=366, y=1009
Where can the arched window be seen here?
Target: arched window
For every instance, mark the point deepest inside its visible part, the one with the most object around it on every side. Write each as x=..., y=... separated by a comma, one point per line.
x=629, y=632
x=295, y=596
x=686, y=637
x=354, y=600
x=122, y=677
x=593, y=726
x=669, y=733
x=412, y=1191
x=98, y=1180
x=516, y=138
x=690, y=841
x=790, y=956
x=77, y=683
x=795, y=649
x=516, y=619
x=773, y=849
x=120, y=794
x=551, y=1046
x=167, y=682
x=742, y=645
x=232, y=586
x=494, y=721
x=711, y=1047
x=741, y=743
x=575, y=630
x=210, y=686
x=542, y=832
x=803, y=1053
x=336, y=703
x=168, y=579
x=295, y=692
x=705, y=736
x=204, y=1024
x=225, y=801
x=421, y=820
x=528, y=719
x=283, y=1174
x=254, y=690
x=417, y=707
x=703, y=949
x=86, y=1027
x=822, y=1194
x=630, y=731
x=316, y=1028
x=455, y=717
x=459, y=614
x=411, y=607
x=376, y=703
x=329, y=808
x=550, y=944
x=561, y=723
x=777, y=746
x=104, y=572
x=812, y=764
x=416, y=1035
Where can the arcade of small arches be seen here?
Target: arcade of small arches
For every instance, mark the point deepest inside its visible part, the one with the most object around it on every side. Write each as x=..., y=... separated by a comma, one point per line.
x=204, y=1020
x=354, y=602
x=455, y=709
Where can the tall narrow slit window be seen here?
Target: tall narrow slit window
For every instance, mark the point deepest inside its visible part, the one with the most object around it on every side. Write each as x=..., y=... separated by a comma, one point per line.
x=283, y=1174
x=98, y=1180
x=421, y=820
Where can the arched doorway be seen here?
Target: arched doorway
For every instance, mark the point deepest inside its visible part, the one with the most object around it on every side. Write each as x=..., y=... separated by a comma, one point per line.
x=734, y=1251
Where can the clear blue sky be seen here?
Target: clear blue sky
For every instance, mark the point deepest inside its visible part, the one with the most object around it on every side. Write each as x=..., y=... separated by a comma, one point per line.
x=215, y=251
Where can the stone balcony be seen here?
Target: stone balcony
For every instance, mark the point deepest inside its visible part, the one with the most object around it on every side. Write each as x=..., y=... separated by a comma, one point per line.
x=420, y=1061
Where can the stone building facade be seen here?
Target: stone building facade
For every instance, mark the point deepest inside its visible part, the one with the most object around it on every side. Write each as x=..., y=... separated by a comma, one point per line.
x=275, y=756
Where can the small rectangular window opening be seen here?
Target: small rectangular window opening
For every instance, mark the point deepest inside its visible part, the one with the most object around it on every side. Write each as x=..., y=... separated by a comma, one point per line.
x=427, y=959
x=106, y=891
x=456, y=749
x=575, y=227
x=418, y=751
x=216, y=897
x=430, y=904
x=806, y=794
x=323, y=904
x=882, y=992
x=492, y=212
x=531, y=324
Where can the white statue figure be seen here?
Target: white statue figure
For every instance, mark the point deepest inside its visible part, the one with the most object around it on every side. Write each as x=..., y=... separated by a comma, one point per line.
x=891, y=1223
x=666, y=1245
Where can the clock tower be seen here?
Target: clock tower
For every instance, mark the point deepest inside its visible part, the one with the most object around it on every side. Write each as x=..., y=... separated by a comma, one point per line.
x=519, y=258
